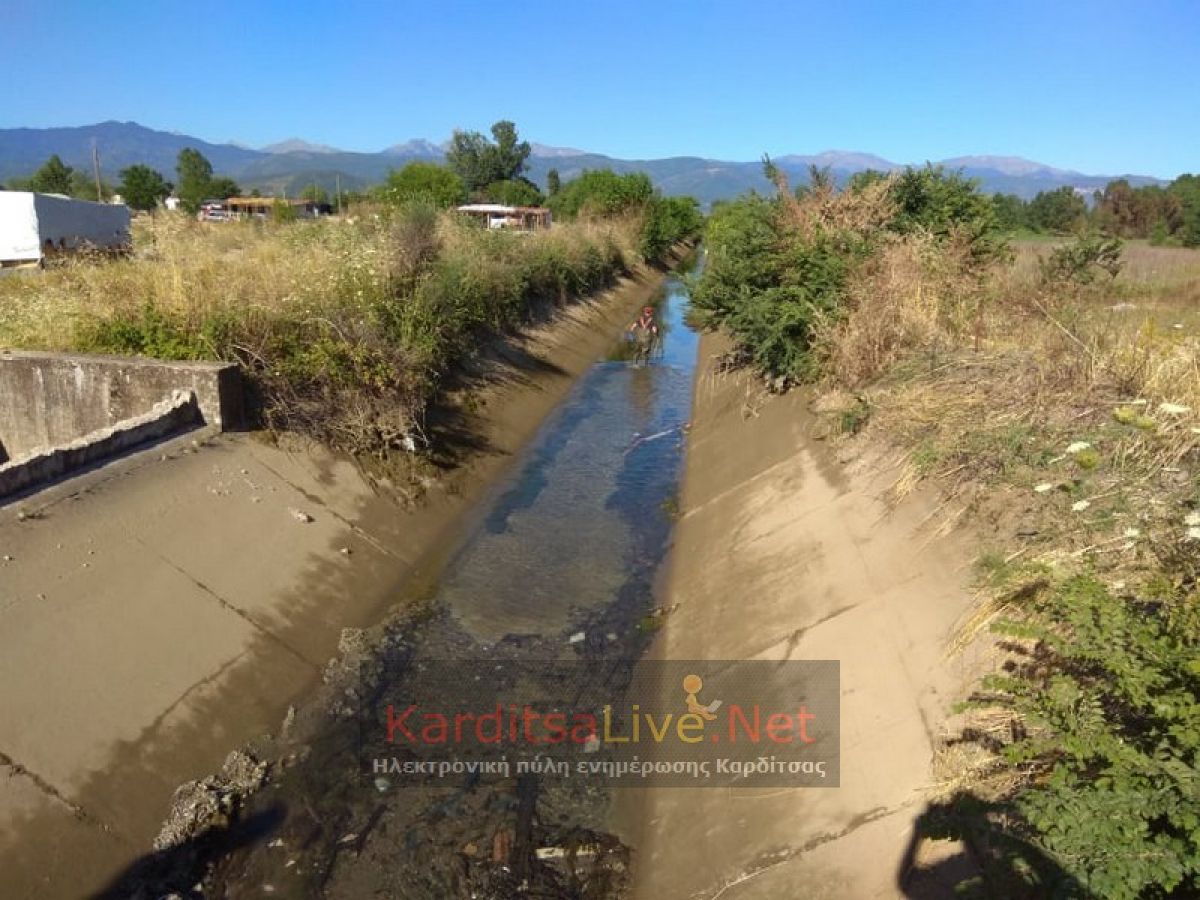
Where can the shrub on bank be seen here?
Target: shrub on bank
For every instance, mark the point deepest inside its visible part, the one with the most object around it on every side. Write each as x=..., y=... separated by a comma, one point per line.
x=603, y=194
x=343, y=328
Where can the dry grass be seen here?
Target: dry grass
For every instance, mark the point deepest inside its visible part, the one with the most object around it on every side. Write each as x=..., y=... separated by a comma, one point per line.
x=1062, y=421
x=344, y=327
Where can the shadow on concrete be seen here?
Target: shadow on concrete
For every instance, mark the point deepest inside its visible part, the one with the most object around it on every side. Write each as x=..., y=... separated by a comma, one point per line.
x=168, y=443
x=452, y=428
x=990, y=859
x=176, y=870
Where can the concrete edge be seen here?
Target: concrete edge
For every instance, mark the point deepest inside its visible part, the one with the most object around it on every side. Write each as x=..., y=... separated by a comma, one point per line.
x=164, y=418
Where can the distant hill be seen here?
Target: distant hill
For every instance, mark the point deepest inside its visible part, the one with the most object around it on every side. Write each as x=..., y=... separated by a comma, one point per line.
x=290, y=165
x=121, y=144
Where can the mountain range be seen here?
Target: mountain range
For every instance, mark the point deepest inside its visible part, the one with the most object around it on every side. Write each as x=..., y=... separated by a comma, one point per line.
x=290, y=165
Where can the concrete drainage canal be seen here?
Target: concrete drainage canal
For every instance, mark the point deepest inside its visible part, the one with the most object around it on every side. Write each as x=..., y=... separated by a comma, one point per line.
x=422, y=776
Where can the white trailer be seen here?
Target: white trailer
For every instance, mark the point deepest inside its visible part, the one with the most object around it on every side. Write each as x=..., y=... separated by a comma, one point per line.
x=34, y=226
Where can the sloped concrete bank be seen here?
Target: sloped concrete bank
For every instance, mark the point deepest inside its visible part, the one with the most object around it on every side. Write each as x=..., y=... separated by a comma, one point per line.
x=781, y=552
x=167, y=608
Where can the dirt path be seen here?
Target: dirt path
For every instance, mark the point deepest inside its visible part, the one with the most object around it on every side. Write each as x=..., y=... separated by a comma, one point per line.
x=781, y=553
x=167, y=609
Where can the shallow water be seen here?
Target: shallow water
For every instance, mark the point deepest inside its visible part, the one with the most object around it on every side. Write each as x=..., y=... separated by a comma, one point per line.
x=559, y=563
x=587, y=512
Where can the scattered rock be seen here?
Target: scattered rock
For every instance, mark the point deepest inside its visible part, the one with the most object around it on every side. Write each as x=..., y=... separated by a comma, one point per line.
x=212, y=801
x=300, y=515
x=345, y=551
x=352, y=640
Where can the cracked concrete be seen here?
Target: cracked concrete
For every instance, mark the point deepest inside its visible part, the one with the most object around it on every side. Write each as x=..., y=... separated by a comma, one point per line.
x=781, y=553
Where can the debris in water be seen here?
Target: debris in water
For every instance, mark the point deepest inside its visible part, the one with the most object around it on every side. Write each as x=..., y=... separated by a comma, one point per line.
x=213, y=801
x=300, y=515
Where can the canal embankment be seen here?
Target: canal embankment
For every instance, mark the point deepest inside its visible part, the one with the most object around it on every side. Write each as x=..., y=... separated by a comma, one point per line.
x=783, y=552
x=164, y=609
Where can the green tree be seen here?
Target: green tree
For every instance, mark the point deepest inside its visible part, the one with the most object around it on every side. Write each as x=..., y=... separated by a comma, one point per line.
x=83, y=186
x=1011, y=212
x=427, y=182
x=1186, y=190
x=142, y=187
x=54, y=177
x=602, y=192
x=517, y=192
x=222, y=188
x=480, y=162
x=935, y=200
x=553, y=182
x=1058, y=211
x=195, y=175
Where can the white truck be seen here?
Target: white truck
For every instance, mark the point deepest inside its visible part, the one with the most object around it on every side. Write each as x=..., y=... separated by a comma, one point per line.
x=34, y=226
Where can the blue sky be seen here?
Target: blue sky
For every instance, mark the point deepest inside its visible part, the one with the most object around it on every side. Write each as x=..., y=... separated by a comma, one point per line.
x=1102, y=86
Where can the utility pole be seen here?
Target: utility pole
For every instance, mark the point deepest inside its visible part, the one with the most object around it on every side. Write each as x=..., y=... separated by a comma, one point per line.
x=96, y=171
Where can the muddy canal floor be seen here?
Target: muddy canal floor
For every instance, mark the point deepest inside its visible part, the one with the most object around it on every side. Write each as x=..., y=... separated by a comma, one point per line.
x=559, y=566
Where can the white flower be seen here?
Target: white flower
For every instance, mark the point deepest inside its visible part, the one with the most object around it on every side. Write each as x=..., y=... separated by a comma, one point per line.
x=1173, y=409
x=1081, y=505
x=1078, y=447
x=1133, y=532
x=1043, y=487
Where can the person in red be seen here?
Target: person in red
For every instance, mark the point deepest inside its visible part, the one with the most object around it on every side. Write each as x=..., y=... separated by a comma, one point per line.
x=645, y=332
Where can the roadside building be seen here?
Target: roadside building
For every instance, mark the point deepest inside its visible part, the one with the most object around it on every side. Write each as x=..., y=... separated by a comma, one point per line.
x=515, y=218
x=259, y=208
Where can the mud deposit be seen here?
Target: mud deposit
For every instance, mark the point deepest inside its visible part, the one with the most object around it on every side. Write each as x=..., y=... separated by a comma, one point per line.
x=558, y=565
